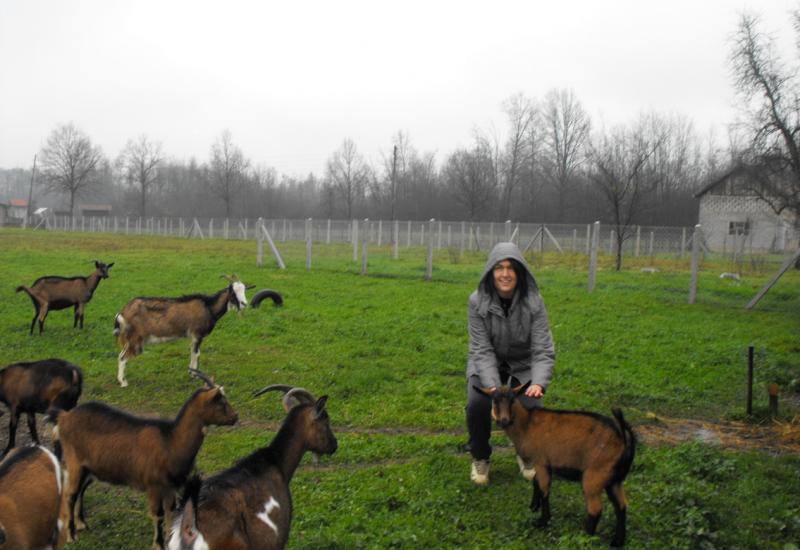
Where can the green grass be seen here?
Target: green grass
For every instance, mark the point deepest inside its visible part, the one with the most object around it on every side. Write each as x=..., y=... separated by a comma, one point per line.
x=390, y=349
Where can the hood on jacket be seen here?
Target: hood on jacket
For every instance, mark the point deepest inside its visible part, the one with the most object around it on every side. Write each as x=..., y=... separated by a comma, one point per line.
x=505, y=251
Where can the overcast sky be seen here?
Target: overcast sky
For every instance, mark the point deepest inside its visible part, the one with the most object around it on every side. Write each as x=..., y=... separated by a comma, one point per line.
x=292, y=79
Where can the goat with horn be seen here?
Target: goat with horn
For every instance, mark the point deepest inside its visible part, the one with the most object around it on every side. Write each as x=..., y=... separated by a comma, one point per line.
x=250, y=505
x=146, y=320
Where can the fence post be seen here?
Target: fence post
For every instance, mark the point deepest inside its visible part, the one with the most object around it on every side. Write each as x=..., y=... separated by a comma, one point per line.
x=259, y=243
x=588, y=238
x=183, y=229
x=491, y=235
x=429, y=268
x=408, y=238
x=463, y=227
x=683, y=241
x=283, y=233
x=226, y=228
x=396, y=240
x=309, y=223
x=364, y=243
x=574, y=240
x=449, y=242
x=695, y=262
x=328, y=233
x=422, y=234
x=652, y=241
x=593, y=256
x=611, y=242
x=380, y=232
x=638, y=239
x=211, y=228
x=508, y=230
x=439, y=240
x=354, y=237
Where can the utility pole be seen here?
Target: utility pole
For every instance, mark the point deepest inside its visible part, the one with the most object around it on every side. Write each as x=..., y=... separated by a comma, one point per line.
x=29, y=213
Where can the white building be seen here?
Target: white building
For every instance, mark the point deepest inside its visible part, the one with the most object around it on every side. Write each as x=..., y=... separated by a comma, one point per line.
x=734, y=218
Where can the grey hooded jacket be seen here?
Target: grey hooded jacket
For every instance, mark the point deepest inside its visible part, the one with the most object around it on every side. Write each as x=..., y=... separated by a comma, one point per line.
x=522, y=340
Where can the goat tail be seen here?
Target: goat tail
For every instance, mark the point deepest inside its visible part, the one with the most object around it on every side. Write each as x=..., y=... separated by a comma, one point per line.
x=24, y=288
x=119, y=324
x=51, y=417
x=261, y=295
x=623, y=465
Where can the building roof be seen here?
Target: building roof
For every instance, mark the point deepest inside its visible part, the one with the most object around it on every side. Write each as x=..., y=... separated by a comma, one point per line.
x=727, y=174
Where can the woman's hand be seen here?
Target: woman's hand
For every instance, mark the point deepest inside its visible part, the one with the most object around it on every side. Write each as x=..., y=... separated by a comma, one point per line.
x=534, y=391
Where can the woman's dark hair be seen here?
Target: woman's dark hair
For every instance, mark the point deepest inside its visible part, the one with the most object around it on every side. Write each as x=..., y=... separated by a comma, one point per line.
x=522, y=279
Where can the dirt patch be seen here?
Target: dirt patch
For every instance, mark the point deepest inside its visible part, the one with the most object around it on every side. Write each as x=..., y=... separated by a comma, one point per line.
x=772, y=437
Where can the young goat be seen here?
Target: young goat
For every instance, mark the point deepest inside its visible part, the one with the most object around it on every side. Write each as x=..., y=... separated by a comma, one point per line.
x=35, y=387
x=151, y=455
x=30, y=495
x=152, y=320
x=250, y=505
x=579, y=446
x=53, y=293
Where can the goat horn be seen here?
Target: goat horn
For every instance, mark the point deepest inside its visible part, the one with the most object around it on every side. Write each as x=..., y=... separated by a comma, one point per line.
x=227, y=277
x=197, y=374
x=292, y=396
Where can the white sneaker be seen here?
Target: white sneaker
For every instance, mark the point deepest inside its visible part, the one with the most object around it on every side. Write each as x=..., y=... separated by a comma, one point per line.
x=527, y=473
x=480, y=472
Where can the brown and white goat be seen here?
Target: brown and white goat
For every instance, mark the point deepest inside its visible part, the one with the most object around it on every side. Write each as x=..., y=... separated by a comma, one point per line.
x=53, y=293
x=30, y=496
x=153, y=320
x=591, y=448
x=151, y=455
x=250, y=505
x=35, y=387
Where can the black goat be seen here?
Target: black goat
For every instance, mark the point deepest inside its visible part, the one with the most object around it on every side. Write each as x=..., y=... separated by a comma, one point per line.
x=53, y=292
x=250, y=505
x=35, y=387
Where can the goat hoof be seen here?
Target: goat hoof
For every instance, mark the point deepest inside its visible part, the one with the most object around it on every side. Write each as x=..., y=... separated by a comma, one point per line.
x=617, y=543
x=123, y=383
x=541, y=523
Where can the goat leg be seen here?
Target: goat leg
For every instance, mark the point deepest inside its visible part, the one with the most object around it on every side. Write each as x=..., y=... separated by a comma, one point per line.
x=536, y=500
x=32, y=427
x=544, y=501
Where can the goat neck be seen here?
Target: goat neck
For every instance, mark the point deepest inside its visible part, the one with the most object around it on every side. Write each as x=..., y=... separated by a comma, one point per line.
x=287, y=448
x=188, y=432
x=523, y=417
x=91, y=283
x=219, y=303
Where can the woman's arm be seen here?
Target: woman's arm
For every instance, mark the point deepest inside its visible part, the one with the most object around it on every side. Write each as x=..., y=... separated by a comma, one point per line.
x=482, y=358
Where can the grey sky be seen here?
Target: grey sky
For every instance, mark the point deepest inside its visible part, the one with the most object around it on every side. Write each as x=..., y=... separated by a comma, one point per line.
x=292, y=79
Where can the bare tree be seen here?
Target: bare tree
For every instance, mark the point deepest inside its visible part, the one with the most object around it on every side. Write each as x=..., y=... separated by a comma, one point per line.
x=770, y=95
x=520, y=112
x=619, y=170
x=349, y=174
x=228, y=167
x=566, y=130
x=139, y=163
x=70, y=163
x=471, y=179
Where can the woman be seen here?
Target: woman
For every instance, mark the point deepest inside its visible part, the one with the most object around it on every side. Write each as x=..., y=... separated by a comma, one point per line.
x=509, y=344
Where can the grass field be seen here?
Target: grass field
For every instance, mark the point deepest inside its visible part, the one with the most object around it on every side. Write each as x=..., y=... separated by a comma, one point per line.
x=389, y=349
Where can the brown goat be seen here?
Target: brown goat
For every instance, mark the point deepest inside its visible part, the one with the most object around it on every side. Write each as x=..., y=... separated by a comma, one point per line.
x=150, y=455
x=35, y=387
x=53, y=293
x=152, y=320
x=594, y=449
x=250, y=505
x=30, y=496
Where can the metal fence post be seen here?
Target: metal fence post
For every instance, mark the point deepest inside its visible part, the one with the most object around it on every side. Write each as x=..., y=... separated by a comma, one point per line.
x=695, y=262
x=429, y=268
x=309, y=229
x=354, y=237
x=396, y=240
x=593, y=256
x=364, y=244
x=259, y=243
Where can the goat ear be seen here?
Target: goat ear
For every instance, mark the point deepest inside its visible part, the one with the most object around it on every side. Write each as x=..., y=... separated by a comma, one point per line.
x=248, y=287
x=109, y=265
x=488, y=392
x=519, y=390
x=227, y=278
x=97, y=264
x=319, y=406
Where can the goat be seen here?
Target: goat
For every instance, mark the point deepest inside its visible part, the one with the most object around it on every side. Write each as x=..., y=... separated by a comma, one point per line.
x=30, y=495
x=35, y=387
x=250, y=505
x=152, y=320
x=576, y=445
x=151, y=455
x=53, y=293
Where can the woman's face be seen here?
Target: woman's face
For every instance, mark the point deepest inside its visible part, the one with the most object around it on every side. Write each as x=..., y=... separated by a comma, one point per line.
x=505, y=278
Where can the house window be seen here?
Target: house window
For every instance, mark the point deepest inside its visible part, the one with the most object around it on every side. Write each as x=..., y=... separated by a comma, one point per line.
x=739, y=228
